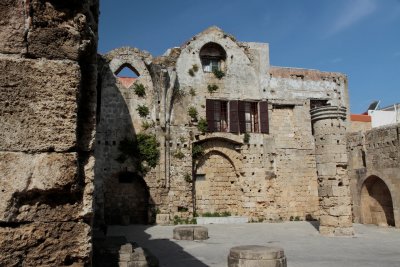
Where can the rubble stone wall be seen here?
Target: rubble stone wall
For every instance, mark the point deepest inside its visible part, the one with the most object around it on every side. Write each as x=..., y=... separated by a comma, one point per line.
x=47, y=121
x=374, y=170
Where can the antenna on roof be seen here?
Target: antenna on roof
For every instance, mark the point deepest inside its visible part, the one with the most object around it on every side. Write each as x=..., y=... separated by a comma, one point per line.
x=374, y=105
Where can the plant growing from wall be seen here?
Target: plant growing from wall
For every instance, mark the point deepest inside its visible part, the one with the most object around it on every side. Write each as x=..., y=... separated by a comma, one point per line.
x=179, y=154
x=188, y=177
x=139, y=89
x=202, y=125
x=212, y=88
x=191, y=72
x=147, y=124
x=246, y=138
x=197, y=151
x=194, y=69
x=192, y=111
x=192, y=92
x=143, y=111
x=219, y=73
x=143, y=151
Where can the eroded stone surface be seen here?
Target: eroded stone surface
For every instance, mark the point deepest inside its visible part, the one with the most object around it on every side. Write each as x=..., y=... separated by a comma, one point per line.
x=12, y=28
x=45, y=244
x=38, y=187
x=38, y=104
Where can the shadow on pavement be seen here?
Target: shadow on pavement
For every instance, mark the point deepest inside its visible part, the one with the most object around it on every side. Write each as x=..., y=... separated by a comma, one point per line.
x=168, y=252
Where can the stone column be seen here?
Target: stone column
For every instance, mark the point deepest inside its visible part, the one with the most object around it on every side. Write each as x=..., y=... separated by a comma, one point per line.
x=329, y=130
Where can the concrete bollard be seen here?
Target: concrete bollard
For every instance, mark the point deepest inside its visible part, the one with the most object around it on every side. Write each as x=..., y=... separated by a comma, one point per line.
x=190, y=233
x=256, y=256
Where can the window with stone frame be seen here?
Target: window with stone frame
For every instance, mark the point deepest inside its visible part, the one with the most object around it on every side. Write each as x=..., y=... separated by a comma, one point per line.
x=212, y=57
x=237, y=116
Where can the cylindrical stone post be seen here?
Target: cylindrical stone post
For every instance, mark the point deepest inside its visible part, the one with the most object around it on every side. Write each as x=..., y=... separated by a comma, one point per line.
x=256, y=256
x=329, y=130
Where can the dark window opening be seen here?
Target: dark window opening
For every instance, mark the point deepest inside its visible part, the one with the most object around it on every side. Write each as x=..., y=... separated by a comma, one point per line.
x=212, y=57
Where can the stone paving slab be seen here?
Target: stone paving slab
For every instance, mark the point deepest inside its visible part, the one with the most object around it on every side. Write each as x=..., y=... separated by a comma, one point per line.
x=303, y=246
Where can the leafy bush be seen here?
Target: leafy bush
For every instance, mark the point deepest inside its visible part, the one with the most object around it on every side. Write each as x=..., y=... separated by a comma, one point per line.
x=139, y=89
x=192, y=111
x=191, y=72
x=218, y=73
x=212, y=88
x=188, y=177
x=179, y=154
x=146, y=124
x=143, y=111
x=143, y=150
x=202, y=126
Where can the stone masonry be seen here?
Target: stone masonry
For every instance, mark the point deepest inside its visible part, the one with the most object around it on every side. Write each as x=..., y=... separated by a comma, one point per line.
x=258, y=155
x=47, y=124
x=374, y=170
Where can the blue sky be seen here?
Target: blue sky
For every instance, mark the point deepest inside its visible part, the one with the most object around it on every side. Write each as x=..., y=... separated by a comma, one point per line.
x=360, y=38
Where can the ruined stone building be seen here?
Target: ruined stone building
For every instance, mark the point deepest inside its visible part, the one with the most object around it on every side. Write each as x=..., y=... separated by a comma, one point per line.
x=235, y=135
x=208, y=127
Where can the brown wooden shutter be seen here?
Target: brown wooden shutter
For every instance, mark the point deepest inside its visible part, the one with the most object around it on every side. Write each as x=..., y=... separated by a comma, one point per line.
x=210, y=114
x=264, y=123
x=242, y=116
x=234, y=116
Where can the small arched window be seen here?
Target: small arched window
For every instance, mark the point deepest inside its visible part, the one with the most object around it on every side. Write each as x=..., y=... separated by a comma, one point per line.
x=127, y=74
x=127, y=71
x=212, y=57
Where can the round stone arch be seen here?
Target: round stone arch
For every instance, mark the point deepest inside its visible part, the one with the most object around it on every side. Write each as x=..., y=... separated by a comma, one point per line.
x=225, y=147
x=216, y=184
x=376, y=202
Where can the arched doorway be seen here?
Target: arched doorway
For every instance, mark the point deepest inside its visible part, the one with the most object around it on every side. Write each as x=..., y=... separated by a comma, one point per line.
x=376, y=202
x=216, y=185
x=126, y=199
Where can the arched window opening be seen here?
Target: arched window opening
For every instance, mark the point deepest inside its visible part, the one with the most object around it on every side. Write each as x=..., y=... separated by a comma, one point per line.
x=127, y=75
x=212, y=57
x=376, y=203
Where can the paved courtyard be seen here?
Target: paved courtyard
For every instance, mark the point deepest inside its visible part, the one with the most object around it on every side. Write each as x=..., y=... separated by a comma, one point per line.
x=304, y=247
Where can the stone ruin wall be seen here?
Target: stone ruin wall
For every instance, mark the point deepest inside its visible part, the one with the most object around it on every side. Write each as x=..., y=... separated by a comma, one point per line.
x=47, y=122
x=374, y=154
x=274, y=175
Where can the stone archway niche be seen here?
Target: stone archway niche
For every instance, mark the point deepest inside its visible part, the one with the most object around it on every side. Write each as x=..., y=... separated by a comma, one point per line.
x=376, y=203
x=217, y=188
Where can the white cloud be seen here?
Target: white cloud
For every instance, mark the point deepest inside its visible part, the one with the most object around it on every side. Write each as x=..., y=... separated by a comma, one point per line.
x=353, y=12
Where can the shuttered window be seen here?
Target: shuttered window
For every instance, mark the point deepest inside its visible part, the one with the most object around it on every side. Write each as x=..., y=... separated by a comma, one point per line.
x=244, y=116
x=264, y=124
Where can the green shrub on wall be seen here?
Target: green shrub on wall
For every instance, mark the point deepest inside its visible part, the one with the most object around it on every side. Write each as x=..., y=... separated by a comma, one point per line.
x=139, y=89
x=202, y=126
x=143, y=111
x=143, y=151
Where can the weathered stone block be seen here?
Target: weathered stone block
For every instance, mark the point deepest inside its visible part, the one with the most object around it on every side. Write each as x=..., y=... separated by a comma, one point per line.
x=256, y=256
x=38, y=104
x=38, y=187
x=45, y=244
x=61, y=30
x=12, y=26
x=190, y=233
